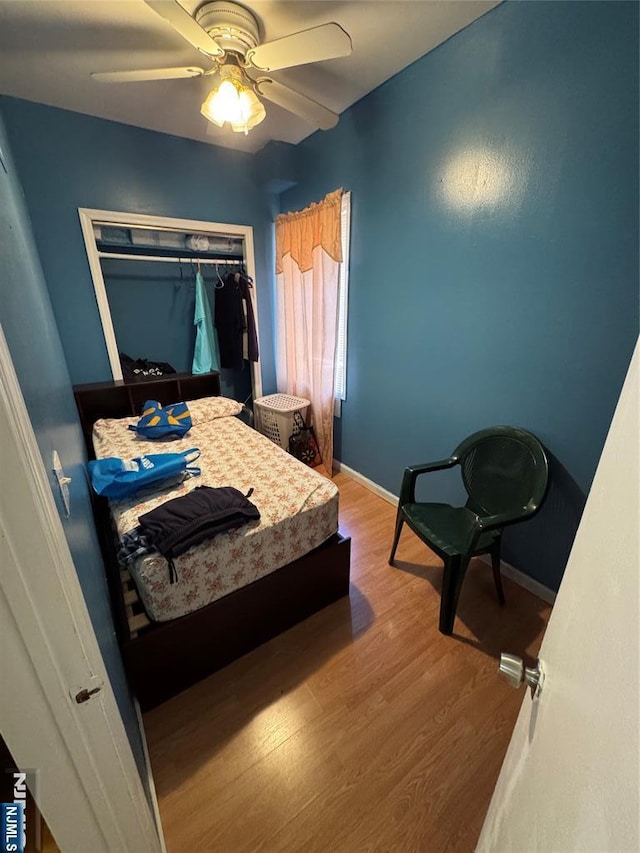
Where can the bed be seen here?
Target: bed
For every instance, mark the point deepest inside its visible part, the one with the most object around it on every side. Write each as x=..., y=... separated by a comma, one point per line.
x=236, y=591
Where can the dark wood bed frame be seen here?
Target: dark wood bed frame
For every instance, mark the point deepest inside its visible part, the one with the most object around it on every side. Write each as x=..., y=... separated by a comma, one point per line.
x=163, y=658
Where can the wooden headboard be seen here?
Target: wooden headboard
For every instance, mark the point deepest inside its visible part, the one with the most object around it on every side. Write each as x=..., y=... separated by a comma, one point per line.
x=125, y=399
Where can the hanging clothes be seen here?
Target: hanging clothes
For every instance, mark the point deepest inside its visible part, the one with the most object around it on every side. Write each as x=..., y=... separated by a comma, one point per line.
x=250, y=336
x=235, y=322
x=205, y=355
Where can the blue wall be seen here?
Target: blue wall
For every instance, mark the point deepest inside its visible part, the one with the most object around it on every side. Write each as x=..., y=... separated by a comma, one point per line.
x=494, y=255
x=168, y=333
x=29, y=326
x=131, y=286
x=82, y=161
x=494, y=240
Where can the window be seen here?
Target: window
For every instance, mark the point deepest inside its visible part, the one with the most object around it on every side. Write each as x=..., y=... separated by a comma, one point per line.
x=343, y=306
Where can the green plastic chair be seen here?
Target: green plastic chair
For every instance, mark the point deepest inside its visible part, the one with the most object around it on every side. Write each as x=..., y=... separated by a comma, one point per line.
x=505, y=473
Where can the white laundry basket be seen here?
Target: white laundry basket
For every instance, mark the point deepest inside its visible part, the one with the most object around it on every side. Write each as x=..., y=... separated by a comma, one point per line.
x=275, y=416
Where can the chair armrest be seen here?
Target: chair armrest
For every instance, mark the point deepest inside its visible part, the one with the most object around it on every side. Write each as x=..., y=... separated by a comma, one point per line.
x=411, y=474
x=491, y=522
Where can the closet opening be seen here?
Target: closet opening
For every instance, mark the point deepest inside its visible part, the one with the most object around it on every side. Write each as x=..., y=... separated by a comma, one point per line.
x=144, y=271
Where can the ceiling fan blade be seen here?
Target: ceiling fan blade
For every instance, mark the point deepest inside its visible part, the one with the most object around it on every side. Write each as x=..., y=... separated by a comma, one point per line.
x=147, y=74
x=294, y=102
x=328, y=41
x=183, y=23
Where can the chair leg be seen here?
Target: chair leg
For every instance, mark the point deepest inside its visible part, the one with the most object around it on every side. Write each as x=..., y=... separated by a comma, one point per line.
x=454, y=572
x=495, y=565
x=396, y=537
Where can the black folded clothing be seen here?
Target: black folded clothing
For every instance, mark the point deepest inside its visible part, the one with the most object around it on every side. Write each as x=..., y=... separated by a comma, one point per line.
x=141, y=369
x=178, y=524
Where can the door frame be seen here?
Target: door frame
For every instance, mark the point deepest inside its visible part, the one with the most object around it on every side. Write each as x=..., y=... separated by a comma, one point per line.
x=89, y=216
x=48, y=653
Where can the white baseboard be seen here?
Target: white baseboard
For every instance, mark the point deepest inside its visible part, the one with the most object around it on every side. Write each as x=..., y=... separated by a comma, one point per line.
x=150, y=782
x=523, y=580
x=365, y=481
x=507, y=569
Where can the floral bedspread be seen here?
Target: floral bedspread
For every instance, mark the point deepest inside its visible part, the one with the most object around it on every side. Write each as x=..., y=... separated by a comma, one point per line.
x=298, y=508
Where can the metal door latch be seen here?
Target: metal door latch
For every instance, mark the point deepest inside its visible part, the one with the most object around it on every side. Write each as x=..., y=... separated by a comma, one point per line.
x=512, y=668
x=63, y=483
x=84, y=695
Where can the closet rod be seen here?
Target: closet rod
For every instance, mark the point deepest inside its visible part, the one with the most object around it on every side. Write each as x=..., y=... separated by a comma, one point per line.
x=124, y=257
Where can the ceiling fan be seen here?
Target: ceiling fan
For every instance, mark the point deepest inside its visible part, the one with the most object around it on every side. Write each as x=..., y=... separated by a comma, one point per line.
x=228, y=35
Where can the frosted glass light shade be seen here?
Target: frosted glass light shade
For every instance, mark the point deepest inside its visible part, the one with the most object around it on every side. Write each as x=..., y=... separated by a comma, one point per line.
x=236, y=103
x=252, y=112
x=222, y=104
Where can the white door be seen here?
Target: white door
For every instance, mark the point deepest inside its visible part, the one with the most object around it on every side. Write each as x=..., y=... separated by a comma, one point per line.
x=88, y=787
x=570, y=778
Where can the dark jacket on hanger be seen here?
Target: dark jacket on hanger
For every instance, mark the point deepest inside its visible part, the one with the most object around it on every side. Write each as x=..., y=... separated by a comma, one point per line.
x=232, y=301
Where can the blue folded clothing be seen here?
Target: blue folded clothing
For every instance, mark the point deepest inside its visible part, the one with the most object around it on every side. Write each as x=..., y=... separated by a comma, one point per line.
x=120, y=478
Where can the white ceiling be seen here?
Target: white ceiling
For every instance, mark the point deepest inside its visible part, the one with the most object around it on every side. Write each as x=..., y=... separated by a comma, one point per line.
x=48, y=48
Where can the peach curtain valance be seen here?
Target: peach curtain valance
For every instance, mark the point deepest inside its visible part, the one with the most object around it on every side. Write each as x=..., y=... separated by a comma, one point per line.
x=300, y=232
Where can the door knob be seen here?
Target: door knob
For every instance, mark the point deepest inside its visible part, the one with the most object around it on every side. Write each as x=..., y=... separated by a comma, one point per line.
x=512, y=668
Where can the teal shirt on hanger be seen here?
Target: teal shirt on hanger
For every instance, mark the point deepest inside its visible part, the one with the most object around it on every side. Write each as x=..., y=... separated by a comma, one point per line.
x=205, y=356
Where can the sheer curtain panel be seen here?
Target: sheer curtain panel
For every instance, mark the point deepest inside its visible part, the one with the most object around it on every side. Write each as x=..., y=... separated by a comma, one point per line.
x=308, y=258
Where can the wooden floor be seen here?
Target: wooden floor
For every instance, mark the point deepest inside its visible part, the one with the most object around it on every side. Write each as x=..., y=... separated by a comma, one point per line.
x=362, y=729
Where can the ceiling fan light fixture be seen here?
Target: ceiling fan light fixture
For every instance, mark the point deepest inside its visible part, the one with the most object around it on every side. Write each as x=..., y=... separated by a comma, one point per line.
x=252, y=112
x=234, y=101
x=229, y=36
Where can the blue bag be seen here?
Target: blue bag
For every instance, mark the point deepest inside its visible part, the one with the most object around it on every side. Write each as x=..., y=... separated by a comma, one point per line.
x=121, y=478
x=158, y=422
